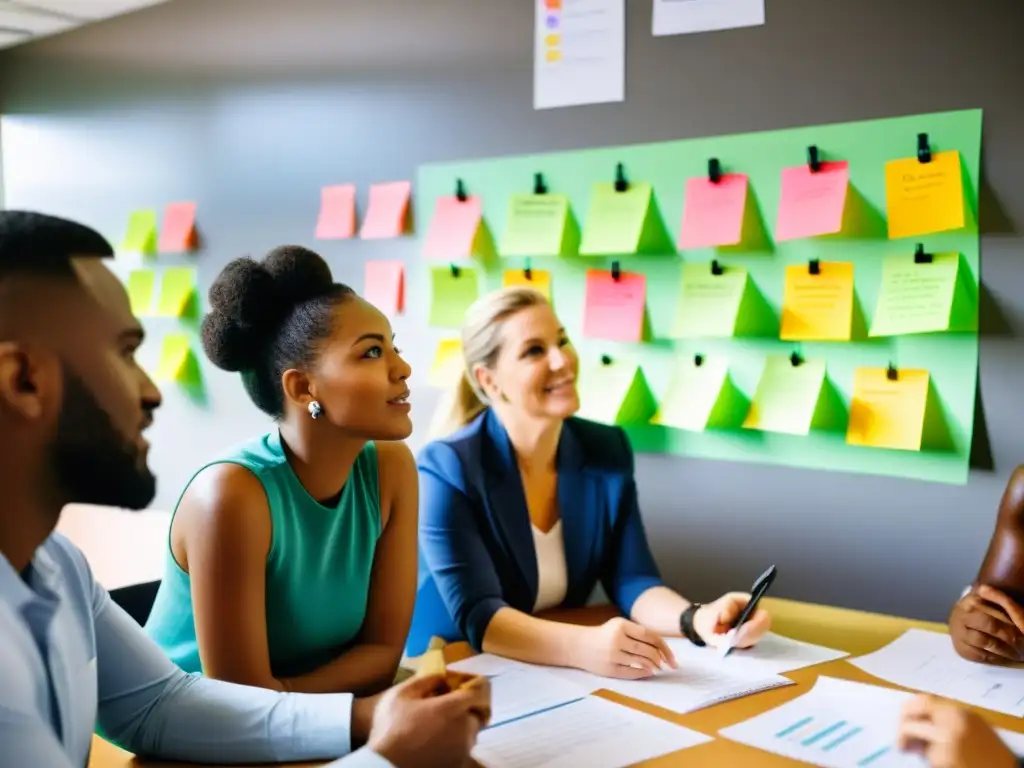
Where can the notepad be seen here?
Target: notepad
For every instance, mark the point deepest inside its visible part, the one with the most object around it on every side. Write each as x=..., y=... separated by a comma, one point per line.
x=773, y=655
x=592, y=732
x=926, y=661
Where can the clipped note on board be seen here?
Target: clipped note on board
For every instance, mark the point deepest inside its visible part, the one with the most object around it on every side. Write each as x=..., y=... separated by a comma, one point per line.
x=141, y=287
x=615, y=392
x=887, y=409
x=454, y=290
x=614, y=305
x=921, y=298
x=922, y=198
x=387, y=210
x=812, y=202
x=710, y=303
x=454, y=228
x=448, y=364
x=177, y=363
x=337, y=219
x=176, y=290
x=616, y=220
x=141, y=236
x=701, y=396
x=384, y=286
x=179, y=231
x=713, y=211
x=536, y=226
x=538, y=279
x=818, y=306
x=787, y=396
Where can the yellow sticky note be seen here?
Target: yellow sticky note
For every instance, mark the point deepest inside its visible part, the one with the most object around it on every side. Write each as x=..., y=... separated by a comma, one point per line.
x=818, y=307
x=917, y=298
x=176, y=289
x=174, y=358
x=141, y=236
x=448, y=365
x=693, y=394
x=888, y=412
x=538, y=279
x=922, y=198
x=536, y=225
x=141, y=285
x=616, y=220
x=787, y=396
x=709, y=304
x=615, y=392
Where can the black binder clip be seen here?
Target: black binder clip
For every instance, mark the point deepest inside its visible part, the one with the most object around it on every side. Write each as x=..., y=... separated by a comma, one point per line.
x=455, y=270
x=460, y=191
x=621, y=185
x=794, y=360
x=527, y=271
x=812, y=159
x=920, y=257
x=605, y=360
x=616, y=274
x=539, y=187
x=890, y=373
x=924, y=152
x=698, y=360
x=714, y=170
x=814, y=267
x=716, y=268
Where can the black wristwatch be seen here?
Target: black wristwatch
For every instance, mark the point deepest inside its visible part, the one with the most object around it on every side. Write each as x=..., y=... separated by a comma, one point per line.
x=686, y=625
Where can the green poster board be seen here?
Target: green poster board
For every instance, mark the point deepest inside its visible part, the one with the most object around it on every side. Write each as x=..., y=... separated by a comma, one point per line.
x=950, y=357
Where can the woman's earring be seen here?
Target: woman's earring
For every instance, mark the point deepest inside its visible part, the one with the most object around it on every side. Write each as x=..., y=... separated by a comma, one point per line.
x=504, y=397
x=314, y=408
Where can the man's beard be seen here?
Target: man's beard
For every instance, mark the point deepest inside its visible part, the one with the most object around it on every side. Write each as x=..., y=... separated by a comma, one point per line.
x=90, y=461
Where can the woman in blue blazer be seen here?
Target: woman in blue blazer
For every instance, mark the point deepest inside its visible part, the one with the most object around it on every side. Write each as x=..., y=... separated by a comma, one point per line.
x=526, y=508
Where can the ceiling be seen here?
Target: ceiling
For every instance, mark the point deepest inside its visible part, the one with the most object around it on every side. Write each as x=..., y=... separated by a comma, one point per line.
x=24, y=20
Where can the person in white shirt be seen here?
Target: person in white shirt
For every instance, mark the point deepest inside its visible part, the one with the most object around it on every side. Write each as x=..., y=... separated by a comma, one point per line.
x=73, y=407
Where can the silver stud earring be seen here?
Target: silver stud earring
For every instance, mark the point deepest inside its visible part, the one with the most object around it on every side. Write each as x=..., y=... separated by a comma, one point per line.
x=314, y=408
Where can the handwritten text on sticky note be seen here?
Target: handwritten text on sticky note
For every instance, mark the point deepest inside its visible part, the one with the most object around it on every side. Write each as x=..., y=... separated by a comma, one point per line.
x=888, y=412
x=812, y=202
x=818, y=307
x=922, y=198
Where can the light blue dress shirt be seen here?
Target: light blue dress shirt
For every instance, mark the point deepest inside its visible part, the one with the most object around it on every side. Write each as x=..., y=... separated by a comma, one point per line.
x=72, y=660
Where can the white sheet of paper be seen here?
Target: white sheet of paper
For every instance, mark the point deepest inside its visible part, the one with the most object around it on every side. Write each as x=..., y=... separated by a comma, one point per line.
x=487, y=665
x=579, y=53
x=926, y=661
x=773, y=655
x=592, y=732
x=681, y=17
x=517, y=693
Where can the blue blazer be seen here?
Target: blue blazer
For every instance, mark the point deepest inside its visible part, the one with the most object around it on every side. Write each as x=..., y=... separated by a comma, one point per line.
x=476, y=545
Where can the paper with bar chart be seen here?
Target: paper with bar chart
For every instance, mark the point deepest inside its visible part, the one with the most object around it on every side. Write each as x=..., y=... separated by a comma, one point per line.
x=837, y=724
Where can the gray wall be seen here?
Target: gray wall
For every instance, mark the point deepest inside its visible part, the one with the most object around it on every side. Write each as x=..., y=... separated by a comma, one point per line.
x=249, y=106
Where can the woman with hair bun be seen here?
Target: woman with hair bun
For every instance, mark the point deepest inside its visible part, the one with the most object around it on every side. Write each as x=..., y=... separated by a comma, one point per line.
x=292, y=562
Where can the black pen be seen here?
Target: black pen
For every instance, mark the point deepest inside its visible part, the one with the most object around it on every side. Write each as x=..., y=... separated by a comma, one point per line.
x=756, y=593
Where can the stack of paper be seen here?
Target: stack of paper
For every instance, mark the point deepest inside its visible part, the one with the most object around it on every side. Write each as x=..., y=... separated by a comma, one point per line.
x=926, y=661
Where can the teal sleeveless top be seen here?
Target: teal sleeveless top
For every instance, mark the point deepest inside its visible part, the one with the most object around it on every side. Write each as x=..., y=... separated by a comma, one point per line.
x=318, y=566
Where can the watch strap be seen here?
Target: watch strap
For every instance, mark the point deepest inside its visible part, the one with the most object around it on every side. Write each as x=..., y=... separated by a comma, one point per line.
x=686, y=625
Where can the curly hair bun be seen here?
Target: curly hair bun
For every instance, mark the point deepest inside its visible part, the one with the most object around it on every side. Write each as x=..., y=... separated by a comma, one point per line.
x=250, y=299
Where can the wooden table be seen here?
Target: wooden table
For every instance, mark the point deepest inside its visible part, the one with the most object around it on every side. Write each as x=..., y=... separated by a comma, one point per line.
x=855, y=632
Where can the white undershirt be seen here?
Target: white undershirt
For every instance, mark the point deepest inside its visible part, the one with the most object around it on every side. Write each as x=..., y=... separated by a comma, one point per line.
x=552, y=575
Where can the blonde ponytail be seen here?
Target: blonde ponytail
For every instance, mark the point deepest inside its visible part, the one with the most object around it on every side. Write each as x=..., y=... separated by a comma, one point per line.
x=481, y=345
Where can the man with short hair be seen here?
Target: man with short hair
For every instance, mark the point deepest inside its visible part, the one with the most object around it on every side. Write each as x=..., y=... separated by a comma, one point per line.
x=73, y=407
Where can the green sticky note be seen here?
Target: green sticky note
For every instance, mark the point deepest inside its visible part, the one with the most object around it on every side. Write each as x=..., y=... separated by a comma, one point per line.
x=709, y=304
x=616, y=221
x=787, y=396
x=536, y=225
x=141, y=284
x=454, y=290
x=615, y=392
x=922, y=298
x=175, y=358
x=176, y=290
x=700, y=396
x=141, y=234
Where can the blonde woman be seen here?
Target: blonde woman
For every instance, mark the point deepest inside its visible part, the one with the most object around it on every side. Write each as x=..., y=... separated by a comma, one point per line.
x=524, y=508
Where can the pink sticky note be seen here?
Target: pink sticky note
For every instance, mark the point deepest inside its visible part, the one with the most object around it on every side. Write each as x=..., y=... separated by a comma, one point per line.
x=614, y=309
x=713, y=213
x=453, y=229
x=384, y=286
x=812, y=202
x=337, y=213
x=386, y=210
x=178, y=234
